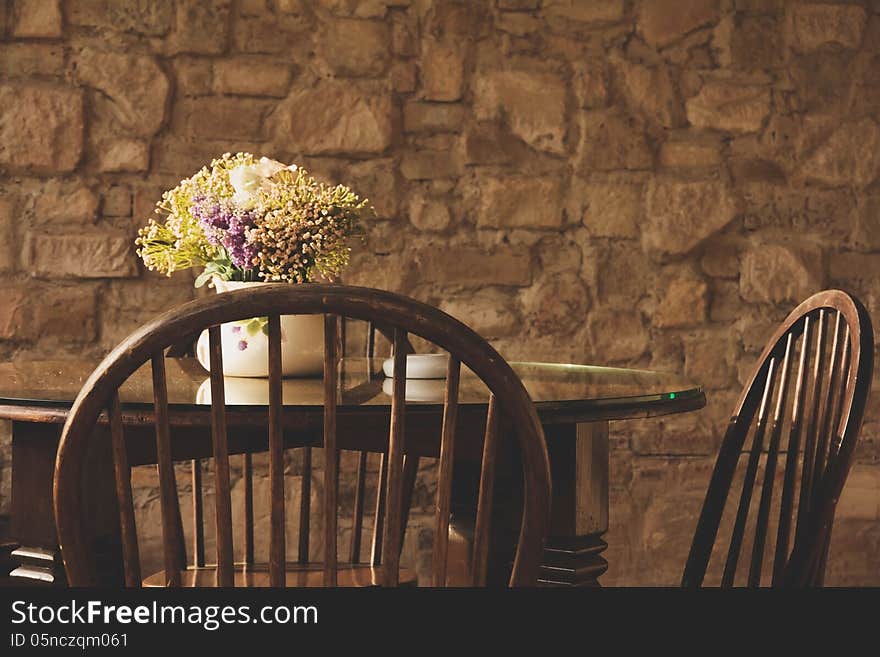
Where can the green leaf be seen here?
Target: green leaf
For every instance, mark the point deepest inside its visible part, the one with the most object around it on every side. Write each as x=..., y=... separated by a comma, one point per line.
x=204, y=277
x=253, y=327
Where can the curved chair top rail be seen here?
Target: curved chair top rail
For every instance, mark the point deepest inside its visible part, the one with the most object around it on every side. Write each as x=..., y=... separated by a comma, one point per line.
x=360, y=303
x=827, y=401
x=861, y=342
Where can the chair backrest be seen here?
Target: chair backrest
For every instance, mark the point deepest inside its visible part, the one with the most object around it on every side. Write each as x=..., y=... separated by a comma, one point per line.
x=811, y=385
x=507, y=396
x=186, y=347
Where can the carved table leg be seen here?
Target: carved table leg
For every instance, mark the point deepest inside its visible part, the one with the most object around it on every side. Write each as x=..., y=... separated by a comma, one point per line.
x=36, y=560
x=578, y=516
x=579, y=512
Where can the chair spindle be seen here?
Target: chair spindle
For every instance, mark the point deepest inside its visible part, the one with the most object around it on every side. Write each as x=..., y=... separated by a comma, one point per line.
x=222, y=490
x=172, y=538
x=277, y=545
x=444, y=475
x=122, y=470
x=486, y=495
x=331, y=453
x=247, y=474
x=770, y=469
x=391, y=530
x=198, y=514
x=745, y=500
x=792, y=456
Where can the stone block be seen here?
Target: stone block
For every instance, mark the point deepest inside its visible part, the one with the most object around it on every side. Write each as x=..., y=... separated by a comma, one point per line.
x=709, y=358
x=625, y=275
x=40, y=127
x=852, y=267
x=133, y=88
x=556, y=305
x=22, y=60
x=490, y=313
x=201, y=26
x=680, y=154
x=850, y=155
x=650, y=91
x=442, y=70
x=757, y=43
x=429, y=214
x=680, y=215
x=117, y=201
x=433, y=117
x=118, y=155
x=251, y=77
x=611, y=141
x=430, y=164
x=662, y=23
x=729, y=107
x=519, y=202
x=33, y=311
x=37, y=19
x=403, y=77
x=150, y=17
x=512, y=94
x=617, y=335
x=591, y=84
x=490, y=143
x=613, y=209
x=194, y=75
x=334, y=117
x=63, y=202
x=356, y=48
x=223, y=117
x=778, y=273
x=518, y=24
x=865, y=222
x=721, y=259
x=816, y=25
x=684, y=302
x=583, y=12
x=82, y=255
x=469, y=266
x=403, y=41
x=374, y=179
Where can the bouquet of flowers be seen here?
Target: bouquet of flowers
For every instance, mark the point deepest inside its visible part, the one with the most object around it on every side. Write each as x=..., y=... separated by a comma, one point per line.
x=244, y=219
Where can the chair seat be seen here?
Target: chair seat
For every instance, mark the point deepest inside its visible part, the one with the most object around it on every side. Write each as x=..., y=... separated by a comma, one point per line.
x=310, y=575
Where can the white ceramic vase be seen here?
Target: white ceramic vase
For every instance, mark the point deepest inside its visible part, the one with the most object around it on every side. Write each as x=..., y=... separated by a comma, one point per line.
x=246, y=346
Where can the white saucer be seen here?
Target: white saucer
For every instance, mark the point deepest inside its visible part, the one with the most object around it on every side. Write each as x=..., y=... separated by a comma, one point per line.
x=420, y=366
x=419, y=390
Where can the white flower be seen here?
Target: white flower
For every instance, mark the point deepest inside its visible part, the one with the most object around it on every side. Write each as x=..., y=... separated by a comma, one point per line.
x=248, y=179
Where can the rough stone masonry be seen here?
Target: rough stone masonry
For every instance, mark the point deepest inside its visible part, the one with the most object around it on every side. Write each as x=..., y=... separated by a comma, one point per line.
x=631, y=182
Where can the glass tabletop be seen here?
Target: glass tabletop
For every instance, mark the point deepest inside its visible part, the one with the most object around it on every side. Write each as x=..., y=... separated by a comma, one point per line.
x=558, y=385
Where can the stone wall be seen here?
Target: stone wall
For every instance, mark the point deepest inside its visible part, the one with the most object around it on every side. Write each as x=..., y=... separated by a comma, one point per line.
x=649, y=183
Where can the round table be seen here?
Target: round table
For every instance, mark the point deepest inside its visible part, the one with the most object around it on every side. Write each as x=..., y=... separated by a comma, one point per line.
x=574, y=402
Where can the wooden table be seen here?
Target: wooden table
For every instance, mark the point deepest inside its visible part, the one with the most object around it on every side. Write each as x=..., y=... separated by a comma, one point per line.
x=575, y=404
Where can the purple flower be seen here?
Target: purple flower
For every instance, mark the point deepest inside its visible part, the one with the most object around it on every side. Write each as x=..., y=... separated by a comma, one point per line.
x=236, y=329
x=226, y=225
x=242, y=345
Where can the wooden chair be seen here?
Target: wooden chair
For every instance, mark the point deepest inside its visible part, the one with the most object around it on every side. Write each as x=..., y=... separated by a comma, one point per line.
x=811, y=384
x=507, y=396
